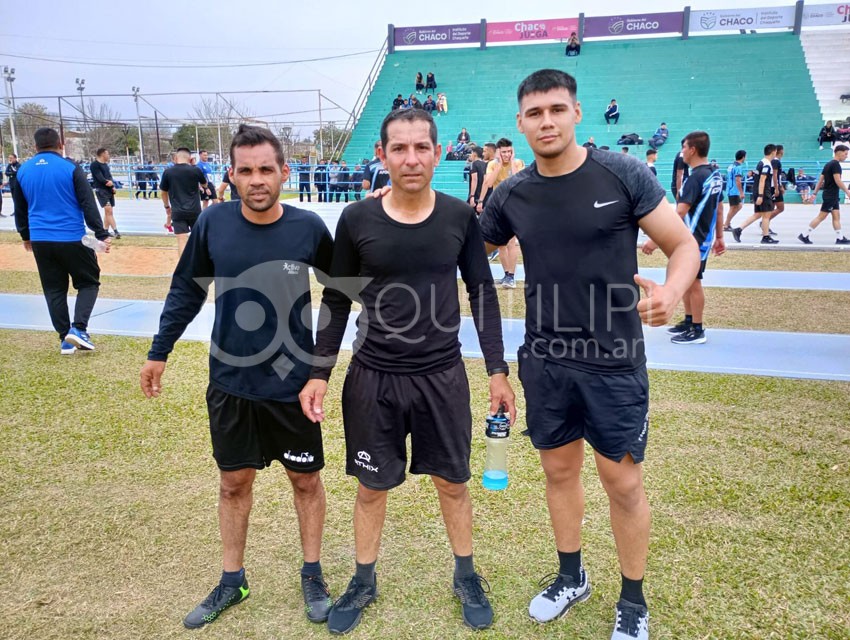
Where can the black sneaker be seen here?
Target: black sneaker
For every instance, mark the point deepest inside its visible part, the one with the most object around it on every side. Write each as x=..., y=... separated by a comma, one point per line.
x=736, y=233
x=679, y=328
x=691, y=336
x=477, y=612
x=771, y=232
x=221, y=598
x=804, y=239
x=769, y=240
x=842, y=241
x=317, y=598
x=632, y=622
x=346, y=612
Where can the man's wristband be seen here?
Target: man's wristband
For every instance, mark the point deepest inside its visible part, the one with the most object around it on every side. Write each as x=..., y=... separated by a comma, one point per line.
x=168, y=206
x=495, y=370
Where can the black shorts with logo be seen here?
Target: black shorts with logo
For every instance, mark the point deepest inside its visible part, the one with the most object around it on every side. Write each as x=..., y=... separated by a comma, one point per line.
x=251, y=434
x=183, y=222
x=830, y=202
x=564, y=404
x=380, y=409
x=212, y=192
x=105, y=197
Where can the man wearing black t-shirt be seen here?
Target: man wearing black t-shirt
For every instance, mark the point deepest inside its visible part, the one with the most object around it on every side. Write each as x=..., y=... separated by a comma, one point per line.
x=830, y=180
x=576, y=212
x=762, y=197
x=181, y=196
x=699, y=206
x=104, y=188
x=407, y=374
x=680, y=173
x=258, y=252
x=776, y=187
x=477, y=171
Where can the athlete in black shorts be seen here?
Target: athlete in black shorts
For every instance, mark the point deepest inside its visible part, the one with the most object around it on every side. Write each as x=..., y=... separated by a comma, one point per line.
x=407, y=375
x=104, y=189
x=762, y=197
x=576, y=212
x=258, y=252
x=181, y=185
x=830, y=181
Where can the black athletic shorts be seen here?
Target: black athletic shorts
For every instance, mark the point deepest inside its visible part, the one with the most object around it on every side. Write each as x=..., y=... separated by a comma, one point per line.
x=380, y=409
x=766, y=205
x=734, y=200
x=563, y=404
x=184, y=224
x=211, y=195
x=778, y=197
x=105, y=197
x=702, y=265
x=830, y=203
x=252, y=433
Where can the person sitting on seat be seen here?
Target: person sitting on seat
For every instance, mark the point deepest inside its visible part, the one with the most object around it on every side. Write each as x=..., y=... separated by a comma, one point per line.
x=398, y=102
x=659, y=137
x=442, y=103
x=429, y=105
x=804, y=186
x=827, y=134
x=430, y=82
x=612, y=113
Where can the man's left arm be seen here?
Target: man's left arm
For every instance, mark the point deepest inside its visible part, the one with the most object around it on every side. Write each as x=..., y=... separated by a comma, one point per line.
x=87, y=204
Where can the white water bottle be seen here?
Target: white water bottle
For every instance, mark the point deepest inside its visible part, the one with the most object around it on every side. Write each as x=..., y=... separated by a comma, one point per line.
x=94, y=244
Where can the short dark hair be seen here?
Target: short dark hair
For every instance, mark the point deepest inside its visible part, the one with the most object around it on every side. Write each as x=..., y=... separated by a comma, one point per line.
x=408, y=115
x=502, y=143
x=250, y=136
x=491, y=145
x=476, y=150
x=651, y=152
x=840, y=147
x=769, y=148
x=779, y=148
x=700, y=141
x=100, y=151
x=184, y=149
x=740, y=154
x=546, y=80
x=45, y=138
x=202, y=151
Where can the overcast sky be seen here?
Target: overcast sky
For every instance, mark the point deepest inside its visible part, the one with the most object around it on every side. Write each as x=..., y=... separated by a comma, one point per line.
x=164, y=35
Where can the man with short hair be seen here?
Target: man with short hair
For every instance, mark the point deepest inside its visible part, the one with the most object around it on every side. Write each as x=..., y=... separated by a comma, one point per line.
x=477, y=172
x=590, y=143
x=830, y=180
x=736, y=176
x=577, y=211
x=53, y=207
x=651, y=157
x=777, y=188
x=104, y=189
x=209, y=194
x=12, y=176
x=762, y=197
x=258, y=252
x=498, y=170
x=181, y=198
x=407, y=376
x=320, y=177
x=612, y=113
x=659, y=137
x=699, y=206
x=398, y=102
x=304, y=179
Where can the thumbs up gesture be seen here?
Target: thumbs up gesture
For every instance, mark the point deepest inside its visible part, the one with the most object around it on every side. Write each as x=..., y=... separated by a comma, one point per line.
x=657, y=305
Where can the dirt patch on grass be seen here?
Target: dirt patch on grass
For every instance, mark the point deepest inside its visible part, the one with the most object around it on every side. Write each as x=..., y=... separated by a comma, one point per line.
x=121, y=260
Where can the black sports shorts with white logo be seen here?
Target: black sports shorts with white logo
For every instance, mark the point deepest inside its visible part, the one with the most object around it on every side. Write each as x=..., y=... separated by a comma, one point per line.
x=105, y=197
x=563, y=404
x=252, y=433
x=380, y=409
x=830, y=202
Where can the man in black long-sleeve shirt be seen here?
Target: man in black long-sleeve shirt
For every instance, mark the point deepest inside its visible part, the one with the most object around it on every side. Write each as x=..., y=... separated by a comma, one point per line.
x=104, y=188
x=407, y=374
x=259, y=253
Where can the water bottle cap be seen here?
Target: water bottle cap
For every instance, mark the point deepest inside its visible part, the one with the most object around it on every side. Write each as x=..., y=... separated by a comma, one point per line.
x=498, y=426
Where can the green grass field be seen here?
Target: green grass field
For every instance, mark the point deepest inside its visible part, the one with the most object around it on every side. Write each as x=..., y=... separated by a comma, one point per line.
x=110, y=530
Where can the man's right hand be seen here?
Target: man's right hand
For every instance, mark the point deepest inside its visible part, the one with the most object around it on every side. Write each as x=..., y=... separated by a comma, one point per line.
x=150, y=378
x=312, y=397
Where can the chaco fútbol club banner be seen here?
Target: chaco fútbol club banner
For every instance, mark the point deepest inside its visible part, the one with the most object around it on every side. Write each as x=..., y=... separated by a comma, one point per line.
x=528, y=30
x=826, y=15
x=439, y=34
x=633, y=25
x=734, y=19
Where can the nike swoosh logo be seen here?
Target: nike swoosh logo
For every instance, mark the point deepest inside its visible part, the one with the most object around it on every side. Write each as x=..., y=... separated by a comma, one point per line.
x=599, y=205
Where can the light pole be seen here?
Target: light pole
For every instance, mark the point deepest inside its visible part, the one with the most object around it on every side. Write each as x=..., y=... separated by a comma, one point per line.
x=139, y=118
x=9, y=78
x=81, y=86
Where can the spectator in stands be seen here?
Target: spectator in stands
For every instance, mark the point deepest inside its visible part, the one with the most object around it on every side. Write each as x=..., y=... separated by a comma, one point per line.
x=304, y=179
x=356, y=185
x=344, y=178
x=405, y=104
x=413, y=101
x=624, y=150
x=590, y=143
x=320, y=177
x=334, y=186
x=651, y=157
x=827, y=134
x=573, y=46
x=659, y=137
x=450, y=153
x=612, y=113
x=463, y=136
x=398, y=102
x=420, y=85
x=442, y=103
x=430, y=82
x=429, y=105
x=804, y=186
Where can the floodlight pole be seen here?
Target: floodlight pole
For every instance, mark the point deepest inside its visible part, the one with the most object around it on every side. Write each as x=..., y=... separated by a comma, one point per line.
x=139, y=118
x=321, y=139
x=8, y=79
x=81, y=86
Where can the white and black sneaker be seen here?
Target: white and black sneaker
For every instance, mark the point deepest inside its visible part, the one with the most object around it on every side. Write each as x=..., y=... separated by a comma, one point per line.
x=559, y=596
x=632, y=622
x=691, y=336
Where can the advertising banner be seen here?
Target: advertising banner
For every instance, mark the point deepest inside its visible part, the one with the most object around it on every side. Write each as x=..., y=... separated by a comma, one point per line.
x=441, y=34
x=527, y=30
x=734, y=19
x=826, y=15
x=633, y=25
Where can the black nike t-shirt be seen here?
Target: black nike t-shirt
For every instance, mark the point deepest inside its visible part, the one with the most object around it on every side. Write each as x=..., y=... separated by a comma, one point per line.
x=578, y=234
x=830, y=186
x=478, y=168
x=181, y=182
x=408, y=289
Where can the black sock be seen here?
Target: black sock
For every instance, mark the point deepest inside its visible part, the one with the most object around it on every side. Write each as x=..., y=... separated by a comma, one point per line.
x=697, y=326
x=632, y=591
x=233, y=578
x=311, y=569
x=365, y=573
x=570, y=564
x=689, y=319
x=464, y=566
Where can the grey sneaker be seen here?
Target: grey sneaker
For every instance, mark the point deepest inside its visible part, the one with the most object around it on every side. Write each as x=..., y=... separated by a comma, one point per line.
x=317, y=598
x=508, y=282
x=559, y=596
x=222, y=597
x=632, y=622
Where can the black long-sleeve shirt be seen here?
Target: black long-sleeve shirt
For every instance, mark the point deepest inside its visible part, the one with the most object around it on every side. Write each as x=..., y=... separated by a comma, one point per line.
x=408, y=280
x=100, y=174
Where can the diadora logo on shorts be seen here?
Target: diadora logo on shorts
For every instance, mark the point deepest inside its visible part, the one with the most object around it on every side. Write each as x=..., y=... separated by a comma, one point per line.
x=292, y=269
x=363, y=459
x=303, y=458
x=645, y=428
